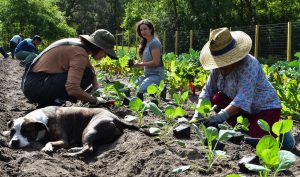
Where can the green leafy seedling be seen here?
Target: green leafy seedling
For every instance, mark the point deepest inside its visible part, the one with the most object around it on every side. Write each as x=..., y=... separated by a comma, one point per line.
x=137, y=105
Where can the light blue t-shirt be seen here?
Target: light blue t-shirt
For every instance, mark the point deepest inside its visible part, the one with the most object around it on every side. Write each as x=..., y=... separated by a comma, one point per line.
x=247, y=85
x=159, y=70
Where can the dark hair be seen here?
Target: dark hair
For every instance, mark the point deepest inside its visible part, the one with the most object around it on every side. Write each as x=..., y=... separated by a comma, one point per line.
x=89, y=46
x=37, y=38
x=144, y=41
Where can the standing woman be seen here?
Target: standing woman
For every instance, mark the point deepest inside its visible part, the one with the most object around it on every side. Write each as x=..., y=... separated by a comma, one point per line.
x=150, y=50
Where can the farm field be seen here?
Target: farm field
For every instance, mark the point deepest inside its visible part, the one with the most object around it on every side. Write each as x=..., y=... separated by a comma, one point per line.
x=133, y=154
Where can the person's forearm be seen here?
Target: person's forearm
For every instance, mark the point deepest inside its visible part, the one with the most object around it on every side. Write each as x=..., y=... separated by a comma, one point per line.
x=232, y=110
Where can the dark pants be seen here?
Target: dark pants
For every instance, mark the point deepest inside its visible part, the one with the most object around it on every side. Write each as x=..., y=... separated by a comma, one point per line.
x=270, y=115
x=2, y=51
x=13, y=46
x=43, y=88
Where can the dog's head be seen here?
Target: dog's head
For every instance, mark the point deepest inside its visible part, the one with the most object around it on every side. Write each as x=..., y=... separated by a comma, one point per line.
x=24, y=130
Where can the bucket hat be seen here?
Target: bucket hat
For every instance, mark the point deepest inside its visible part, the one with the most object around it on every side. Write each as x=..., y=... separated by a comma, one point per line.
x=224, y=48
x=104, y=40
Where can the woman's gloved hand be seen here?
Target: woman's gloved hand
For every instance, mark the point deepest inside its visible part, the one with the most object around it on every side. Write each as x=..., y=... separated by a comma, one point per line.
x=213, y=121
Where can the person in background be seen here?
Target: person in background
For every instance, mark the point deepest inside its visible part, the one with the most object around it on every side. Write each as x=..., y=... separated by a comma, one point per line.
x=2, y=51
x=14, y=41
x=237, y=85
x=62, y=72
x=27, y=49
x=150, y=50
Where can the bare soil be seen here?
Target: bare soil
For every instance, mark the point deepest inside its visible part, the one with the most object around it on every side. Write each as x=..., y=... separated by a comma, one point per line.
x=133, y=154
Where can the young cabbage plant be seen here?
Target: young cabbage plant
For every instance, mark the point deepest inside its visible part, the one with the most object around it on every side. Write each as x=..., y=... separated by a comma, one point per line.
x=279, y=128
x=137, y=105
x=211, y=134
x=242, y=124
x=155, y=90
x=272, y=157
x=180, y=99
x=204, y=109
x=171, y=113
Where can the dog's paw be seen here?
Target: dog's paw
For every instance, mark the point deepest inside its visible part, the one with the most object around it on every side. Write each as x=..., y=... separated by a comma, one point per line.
x=48, y=148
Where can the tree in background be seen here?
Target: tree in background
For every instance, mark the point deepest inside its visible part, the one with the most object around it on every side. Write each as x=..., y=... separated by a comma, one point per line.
x=32, y=17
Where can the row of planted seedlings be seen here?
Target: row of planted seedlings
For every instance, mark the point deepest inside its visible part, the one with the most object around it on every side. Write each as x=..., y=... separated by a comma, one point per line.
x=273, y=159
x=268, y=149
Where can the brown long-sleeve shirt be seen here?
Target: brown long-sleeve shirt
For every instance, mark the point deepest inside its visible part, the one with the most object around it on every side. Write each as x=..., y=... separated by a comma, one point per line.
x=71, y=59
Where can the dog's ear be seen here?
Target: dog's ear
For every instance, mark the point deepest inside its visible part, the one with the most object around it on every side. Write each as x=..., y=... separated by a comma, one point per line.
x=40, y=126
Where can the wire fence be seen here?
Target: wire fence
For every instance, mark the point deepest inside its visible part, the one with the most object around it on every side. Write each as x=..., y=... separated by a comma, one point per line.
x=271, y=40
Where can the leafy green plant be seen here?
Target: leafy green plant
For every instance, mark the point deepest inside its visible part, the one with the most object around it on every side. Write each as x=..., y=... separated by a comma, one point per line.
x=279, y=128
x=180, y=99
x=137, y=105
x=155, y=90
x=268, y=149
x=242, y=123
x=211, y=134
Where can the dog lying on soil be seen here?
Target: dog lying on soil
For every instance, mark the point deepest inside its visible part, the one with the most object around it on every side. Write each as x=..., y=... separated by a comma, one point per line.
x=64, y=127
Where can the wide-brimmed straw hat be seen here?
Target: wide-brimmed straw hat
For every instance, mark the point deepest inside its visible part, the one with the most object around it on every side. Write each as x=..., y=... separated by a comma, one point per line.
x=224, y=48
x=104, y=40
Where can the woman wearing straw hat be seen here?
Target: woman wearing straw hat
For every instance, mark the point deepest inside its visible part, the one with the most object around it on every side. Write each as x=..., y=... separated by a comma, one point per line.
x=63, y=70
x=237, y=84
x=151, y=51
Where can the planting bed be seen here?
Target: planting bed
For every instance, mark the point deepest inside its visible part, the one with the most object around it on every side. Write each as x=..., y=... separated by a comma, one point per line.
x=133, y=154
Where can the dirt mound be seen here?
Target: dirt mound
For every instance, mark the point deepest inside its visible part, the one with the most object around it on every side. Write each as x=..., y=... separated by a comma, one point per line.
x=133, y=154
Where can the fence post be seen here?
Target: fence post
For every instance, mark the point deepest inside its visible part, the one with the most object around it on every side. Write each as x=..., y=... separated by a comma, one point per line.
x=256, y=41
x=116, y=40
x=289, y=42
x=164, y=42
x=122, y=37
x=176, y=42
x=128, y=41
x=191, y=38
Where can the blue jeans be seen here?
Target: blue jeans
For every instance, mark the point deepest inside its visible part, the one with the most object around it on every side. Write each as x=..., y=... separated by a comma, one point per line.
x=145, y=81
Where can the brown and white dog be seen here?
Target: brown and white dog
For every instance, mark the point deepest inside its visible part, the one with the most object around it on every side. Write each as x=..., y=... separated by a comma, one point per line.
x=66, y=127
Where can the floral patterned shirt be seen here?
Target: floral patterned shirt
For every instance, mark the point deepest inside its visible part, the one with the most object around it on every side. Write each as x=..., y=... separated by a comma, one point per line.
x=247, y=85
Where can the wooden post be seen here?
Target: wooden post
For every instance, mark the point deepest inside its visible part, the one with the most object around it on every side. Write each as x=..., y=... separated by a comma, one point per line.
x=128, y=41
x=256, y=41
x=116, y=40
x=191, y=38
x=164, y=42
x=176, y=42
x=122, y=35
x=289, y=42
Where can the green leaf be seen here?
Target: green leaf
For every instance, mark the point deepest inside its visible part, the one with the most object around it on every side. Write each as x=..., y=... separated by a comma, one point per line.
x=185, y=96
x=263, y=125
x=257, y=168
x=198, y=133
x=270, y=157
x=181, y=169
x=161, y=85
x=179, y=112
x=282, y=126
x=154, y=130
x=136, y=104
x=212, y=133
x=266, y=142
x=224, y=135
x=155, y=109
x=176, y=98
x=233, y=175
x=180, y=143
x=152, y=89
x=169, y=111
x=240, y=119
x=287, y=159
